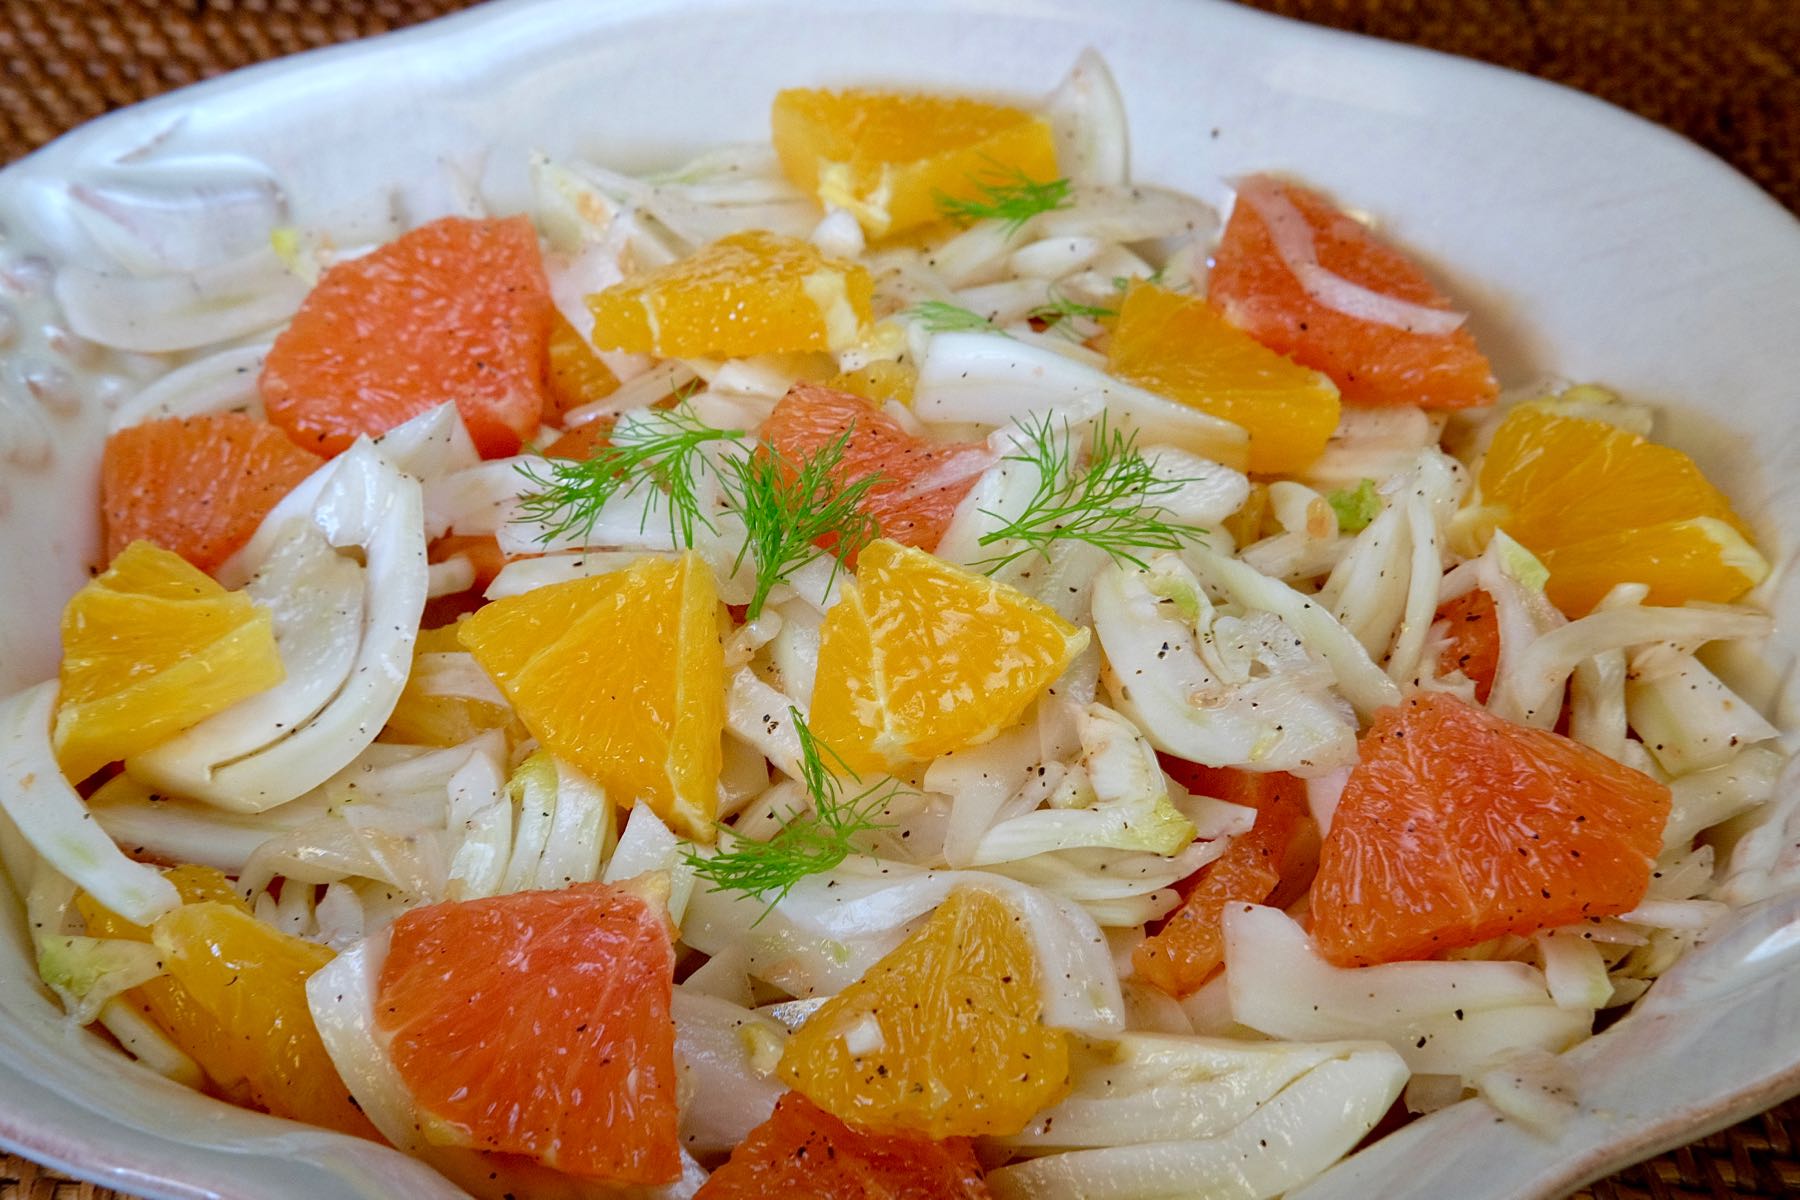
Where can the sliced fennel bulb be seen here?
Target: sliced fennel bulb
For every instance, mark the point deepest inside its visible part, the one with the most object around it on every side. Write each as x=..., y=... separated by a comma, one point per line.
x=1443, y=1018
x=994, y=380
x=725, y=1059
x=834, y=926
x=1129, y=805
x=1087, y=115
x=86, y=973
x=268, y=749
x=1211, y=688
x=1177, y=1118
x=52, y=818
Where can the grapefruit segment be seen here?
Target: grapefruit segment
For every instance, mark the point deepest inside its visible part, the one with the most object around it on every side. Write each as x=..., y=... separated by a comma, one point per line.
x=457, y=310
x=1472, y=640
x=803, y=1152
x=1457, y=827
x=1373, y=363
x=538, y=1024
x=1180, y=956
x=196, y=485
x=921, y=482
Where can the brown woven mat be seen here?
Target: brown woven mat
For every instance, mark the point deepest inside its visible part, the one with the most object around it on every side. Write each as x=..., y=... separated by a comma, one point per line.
x=1724, y=72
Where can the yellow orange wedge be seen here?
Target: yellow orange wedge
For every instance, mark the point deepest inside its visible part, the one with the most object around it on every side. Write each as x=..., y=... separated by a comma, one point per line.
x=424, y=718
x=576, y=374
x=942, y=1037
x=878, y=382
x=750, y=293
x=151, y=647
x=623, y=675
x=234, y=999
x=1601, y=506
x=1699, y=559
x=918, y=658
x=887, y=157
x=1180, y=347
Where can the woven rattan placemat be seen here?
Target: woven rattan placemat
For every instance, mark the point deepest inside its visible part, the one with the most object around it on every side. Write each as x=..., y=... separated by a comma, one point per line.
x=1724, y=72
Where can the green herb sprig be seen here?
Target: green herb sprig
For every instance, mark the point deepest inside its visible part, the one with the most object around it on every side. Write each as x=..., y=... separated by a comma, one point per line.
x=659, y=453
x=1110, y=503
x=811, y=843
x=788, y=508
x=1059, y=308
x=940, y=316
x=1009, y=196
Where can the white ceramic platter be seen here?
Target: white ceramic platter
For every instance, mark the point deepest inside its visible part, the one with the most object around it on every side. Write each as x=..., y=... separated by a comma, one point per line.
x=1590, y=244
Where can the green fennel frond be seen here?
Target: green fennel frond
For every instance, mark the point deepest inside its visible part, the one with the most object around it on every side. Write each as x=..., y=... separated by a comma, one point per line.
x=1058, y=307
x=1110, y=503
x=1157, y=278
x=788, y=508
x=940, y=316
x=814, y=841
x=659, y=453
x=1009, y=196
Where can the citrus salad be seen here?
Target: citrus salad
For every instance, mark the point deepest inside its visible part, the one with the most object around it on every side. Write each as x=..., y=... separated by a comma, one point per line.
x=894, y=662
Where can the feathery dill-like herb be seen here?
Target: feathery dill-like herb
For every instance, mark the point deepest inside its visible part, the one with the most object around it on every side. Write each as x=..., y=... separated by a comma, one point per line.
x=1059, y=307
x=658, y=452
x=940, y=316
x=1122, y=283
x=787, y=507
x=1110, y=503
x=1009, y=196
x=810, y=843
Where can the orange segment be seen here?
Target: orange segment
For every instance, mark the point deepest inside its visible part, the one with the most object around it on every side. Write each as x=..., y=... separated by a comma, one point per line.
x=576, y=375
x=422, y=718
x=537, y=1023
x=878, y=382
x=1602, y=506
x=803, y=1152
x=581, y=442
x=1372, y=363
x=455, y=310
x=918, y=658
x=1190, y=946
x=196, y=485
x=921, y=482
x=243, y=988
x=1473, y=640
x=887, y=157
x=165, y=1002
x=1180, y=347
x=1457, y=827
x=749, y=293
x=623, y=675
x=150, y=648
x=948, y=1039
x=1699, y=559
